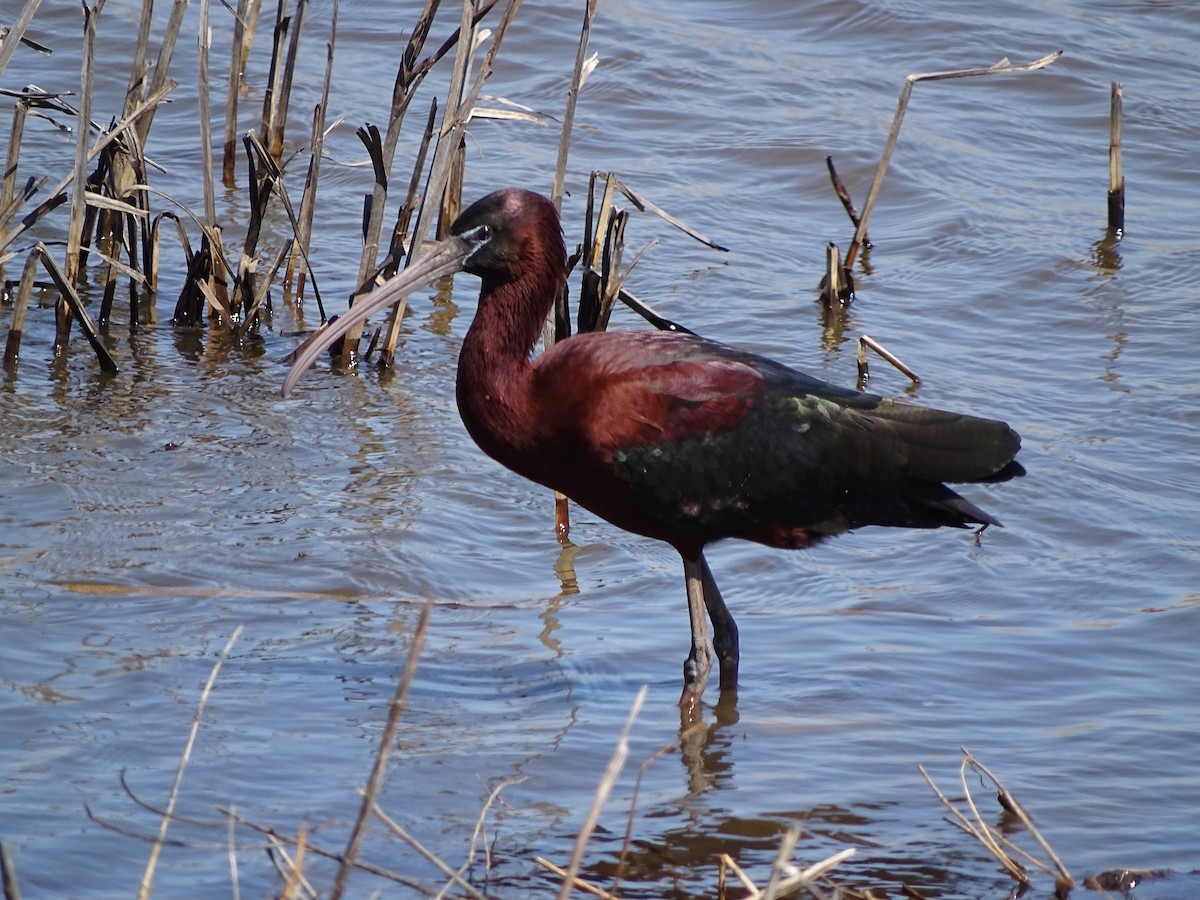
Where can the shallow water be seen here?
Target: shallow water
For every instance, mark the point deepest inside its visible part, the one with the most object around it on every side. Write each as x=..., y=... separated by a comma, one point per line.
x=146, y=516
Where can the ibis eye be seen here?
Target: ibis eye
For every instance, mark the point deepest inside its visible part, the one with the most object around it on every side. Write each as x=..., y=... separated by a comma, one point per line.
x=482, y=233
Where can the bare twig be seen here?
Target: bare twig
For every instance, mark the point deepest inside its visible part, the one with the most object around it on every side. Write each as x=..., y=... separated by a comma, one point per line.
x=147, y=881
x=1116, y=179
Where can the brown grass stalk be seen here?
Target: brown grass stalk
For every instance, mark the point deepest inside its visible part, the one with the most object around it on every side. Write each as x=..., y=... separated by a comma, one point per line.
x=386, y=742
x=615, y=763
x=147, y=881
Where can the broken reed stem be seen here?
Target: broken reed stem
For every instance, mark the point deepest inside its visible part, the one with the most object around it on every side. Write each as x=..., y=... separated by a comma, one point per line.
x=1116, y=178
x=866, y=341
x=9, y=45
x=843, y=195
x=9, y=204
x=479, y=821
x=8, y=874
x=12, y=346
x=837, y=285
x=386, y=741
x=615, y=764
x=237, y=59
x=1001, y=67
x=575, y=880
x=147, y=881
x=71, y=301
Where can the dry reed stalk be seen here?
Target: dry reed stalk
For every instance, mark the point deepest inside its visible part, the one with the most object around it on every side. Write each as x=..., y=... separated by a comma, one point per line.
x=410, y=205
x=8, y=874
x=386, y=741
x=147, y=881
x=1002, y=67
x=12, y=346
x=308, y=198
x=283, y=95
x=239, y=49
x=275, y=71
x=479, y=821
x=1116, y=179
x=70, y=300
x=231, y=850
x=399, y=831
x=295, y=882
x=455, y=118
x=999, y=846
x=409, y=76
x=866, y=342
x=259, y=191
x=844, y=196
x=637, y=787
x=82, y=132
x=10, y=204
x=325, y=853
x=837, y=284
x=611, y=771
x=203, y=45
x=9, y=44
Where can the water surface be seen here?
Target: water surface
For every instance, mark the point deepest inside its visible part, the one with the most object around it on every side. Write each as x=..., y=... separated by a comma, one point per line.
x=146, y=516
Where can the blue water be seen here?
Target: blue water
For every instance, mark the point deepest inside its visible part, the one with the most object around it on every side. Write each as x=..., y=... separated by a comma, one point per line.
x=145, y=516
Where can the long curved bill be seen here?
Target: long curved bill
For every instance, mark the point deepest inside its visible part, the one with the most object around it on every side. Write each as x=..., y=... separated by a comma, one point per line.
x=441, y=259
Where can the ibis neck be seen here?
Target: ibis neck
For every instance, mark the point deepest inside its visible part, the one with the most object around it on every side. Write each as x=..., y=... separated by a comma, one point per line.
x=495, y=377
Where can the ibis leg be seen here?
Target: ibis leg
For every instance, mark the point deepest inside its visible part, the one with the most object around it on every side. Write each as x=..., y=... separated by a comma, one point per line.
x=699, y=661
x=725, y=630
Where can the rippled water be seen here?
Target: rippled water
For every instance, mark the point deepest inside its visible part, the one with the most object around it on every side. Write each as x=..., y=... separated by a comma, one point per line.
x=145, y=516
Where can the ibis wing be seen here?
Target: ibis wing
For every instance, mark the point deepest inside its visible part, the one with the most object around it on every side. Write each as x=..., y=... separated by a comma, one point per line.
x=719, y=441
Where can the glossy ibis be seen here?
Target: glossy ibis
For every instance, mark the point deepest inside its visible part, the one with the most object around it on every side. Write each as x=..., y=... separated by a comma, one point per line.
x=676, y=437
